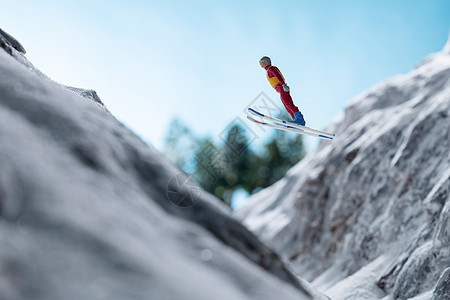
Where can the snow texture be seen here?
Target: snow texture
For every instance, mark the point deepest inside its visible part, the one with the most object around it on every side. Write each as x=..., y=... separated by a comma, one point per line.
x=87, y=211
x=381, y=189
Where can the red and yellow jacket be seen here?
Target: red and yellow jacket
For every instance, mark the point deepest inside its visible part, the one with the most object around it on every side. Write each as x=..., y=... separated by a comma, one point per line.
x=274, y=76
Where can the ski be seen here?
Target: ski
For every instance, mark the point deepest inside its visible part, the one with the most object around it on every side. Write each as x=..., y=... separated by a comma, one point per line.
x=256, y=113
x=290, y=128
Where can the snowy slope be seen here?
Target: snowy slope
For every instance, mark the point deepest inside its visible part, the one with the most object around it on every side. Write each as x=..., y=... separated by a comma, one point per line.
x=85, y=211
x=367, y=216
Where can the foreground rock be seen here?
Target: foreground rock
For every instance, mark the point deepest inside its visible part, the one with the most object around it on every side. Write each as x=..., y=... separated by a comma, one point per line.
x=87, y=210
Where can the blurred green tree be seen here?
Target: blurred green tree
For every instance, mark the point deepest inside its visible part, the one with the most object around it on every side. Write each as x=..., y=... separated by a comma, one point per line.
x=223, y=169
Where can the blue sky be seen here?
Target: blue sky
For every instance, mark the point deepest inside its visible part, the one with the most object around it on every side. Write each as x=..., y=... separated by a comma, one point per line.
x=197, y=61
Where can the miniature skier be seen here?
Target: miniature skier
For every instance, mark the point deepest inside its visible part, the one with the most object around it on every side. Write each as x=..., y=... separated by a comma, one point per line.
x=277, y=81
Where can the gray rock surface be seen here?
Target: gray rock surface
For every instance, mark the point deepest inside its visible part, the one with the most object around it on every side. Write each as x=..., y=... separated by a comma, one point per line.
x=442, y=290
x=381, y=190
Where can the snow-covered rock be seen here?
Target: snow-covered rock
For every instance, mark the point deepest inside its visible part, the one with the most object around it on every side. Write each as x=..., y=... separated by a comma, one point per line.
x=7, y=42
x=380, y=190
x=87, y=210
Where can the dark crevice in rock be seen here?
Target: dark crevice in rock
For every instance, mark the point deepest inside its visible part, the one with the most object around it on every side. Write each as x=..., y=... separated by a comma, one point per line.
x=351, y=155
x=86, y=155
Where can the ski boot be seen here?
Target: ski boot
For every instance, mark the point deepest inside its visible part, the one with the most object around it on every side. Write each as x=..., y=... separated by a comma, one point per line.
x=298, y=119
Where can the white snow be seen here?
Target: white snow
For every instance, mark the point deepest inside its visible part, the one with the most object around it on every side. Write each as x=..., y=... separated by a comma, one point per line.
x=359, y=286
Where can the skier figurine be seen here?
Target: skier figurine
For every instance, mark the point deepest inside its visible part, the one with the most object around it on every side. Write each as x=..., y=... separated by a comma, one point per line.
x=276, y=79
